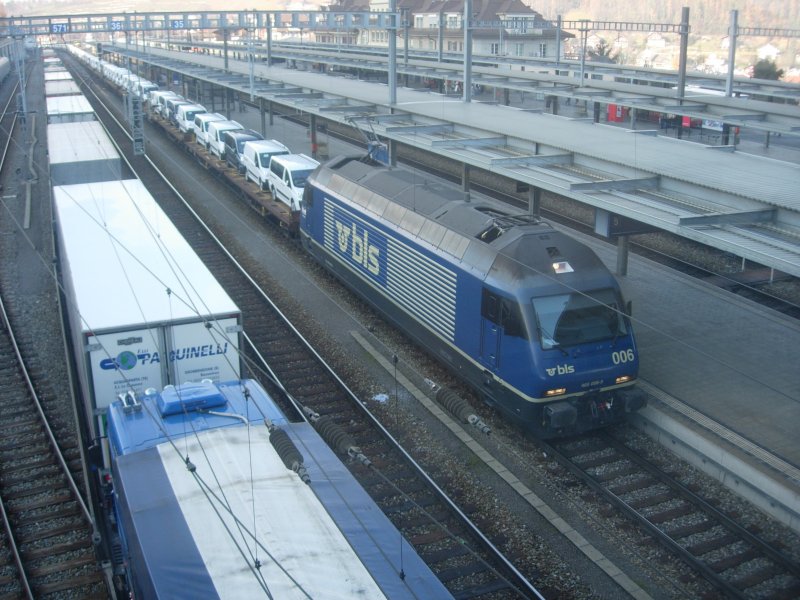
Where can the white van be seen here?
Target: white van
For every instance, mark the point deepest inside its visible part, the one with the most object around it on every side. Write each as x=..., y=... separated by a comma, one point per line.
x=185, y=114
x=170, y=109
x=144, y=87
x=158, y=99
x=287, y=177
x=255, y=159
x=215, y=142
x=201, y=123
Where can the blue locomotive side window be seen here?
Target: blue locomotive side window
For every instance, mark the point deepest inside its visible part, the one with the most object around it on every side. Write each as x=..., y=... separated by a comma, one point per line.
x=511, y=319
x=505, y=312
x=578, y=318
x=308, y=196
x=490, y=306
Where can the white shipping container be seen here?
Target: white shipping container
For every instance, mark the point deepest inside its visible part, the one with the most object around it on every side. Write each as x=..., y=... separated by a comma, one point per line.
x=144, y=310
x=69, y=109
x=61, y=88
x=81, y=153
x=58, y=76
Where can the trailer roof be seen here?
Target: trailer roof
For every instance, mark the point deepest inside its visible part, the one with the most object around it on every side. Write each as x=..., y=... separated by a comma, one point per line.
x=68, y=105
x=59, y=88
x=79, y=142
x=58, y=76
x=128, y=264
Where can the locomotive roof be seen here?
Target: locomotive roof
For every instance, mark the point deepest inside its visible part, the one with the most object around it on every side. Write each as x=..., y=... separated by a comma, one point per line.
x=313, y=542
x=450, y=207
x=482, y=234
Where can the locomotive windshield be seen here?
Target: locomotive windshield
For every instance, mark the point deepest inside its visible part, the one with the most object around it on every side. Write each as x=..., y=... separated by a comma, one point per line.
x=579, y=318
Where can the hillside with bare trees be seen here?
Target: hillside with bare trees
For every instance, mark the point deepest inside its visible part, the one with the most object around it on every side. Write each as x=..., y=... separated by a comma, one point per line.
x=707, y=17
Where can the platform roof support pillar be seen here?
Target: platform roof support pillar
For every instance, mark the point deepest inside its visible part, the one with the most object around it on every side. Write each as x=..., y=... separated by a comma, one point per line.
x=312, y=125
x=269, y=40
x=225, y=47
x=263, y=115
x=534, y=200
x=622, y=255
x=467, y=87
x=684, y=48
x=393, y=53
x=440, y=39
x=733, y=32
x=405, y=12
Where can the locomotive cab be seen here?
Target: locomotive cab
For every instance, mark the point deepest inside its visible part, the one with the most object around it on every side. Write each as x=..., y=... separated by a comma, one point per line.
x=563, y=338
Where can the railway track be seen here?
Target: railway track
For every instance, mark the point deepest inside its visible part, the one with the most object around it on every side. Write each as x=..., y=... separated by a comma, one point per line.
x=735, y=560
x=47, y=549
x=49, y=536
x=463, y=557
x=8, y=118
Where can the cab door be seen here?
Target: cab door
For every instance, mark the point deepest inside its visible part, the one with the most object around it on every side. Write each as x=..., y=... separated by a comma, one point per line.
x=490, y=343
x=490, y=330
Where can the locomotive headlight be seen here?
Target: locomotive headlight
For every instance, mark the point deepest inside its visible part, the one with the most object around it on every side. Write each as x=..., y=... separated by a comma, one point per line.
x=555, y=392
x=562, y=267
x=623, y=379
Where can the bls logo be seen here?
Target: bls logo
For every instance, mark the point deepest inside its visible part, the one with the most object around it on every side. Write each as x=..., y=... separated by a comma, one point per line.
x=561, y=370
x=361, y=251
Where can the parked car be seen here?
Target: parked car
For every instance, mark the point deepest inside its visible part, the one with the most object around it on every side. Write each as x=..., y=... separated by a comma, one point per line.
x=158, y=99
x=185, y=114
x=171, y=108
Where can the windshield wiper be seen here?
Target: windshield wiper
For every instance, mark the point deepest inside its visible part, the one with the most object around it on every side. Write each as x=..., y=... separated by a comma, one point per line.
x=546, y=334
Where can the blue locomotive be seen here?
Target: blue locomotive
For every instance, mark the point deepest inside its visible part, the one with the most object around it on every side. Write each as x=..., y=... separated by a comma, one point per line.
x=214, y=493
x=528, y=316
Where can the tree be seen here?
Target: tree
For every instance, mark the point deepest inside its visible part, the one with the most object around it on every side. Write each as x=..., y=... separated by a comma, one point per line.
x=603, y=52
x=767, y=69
